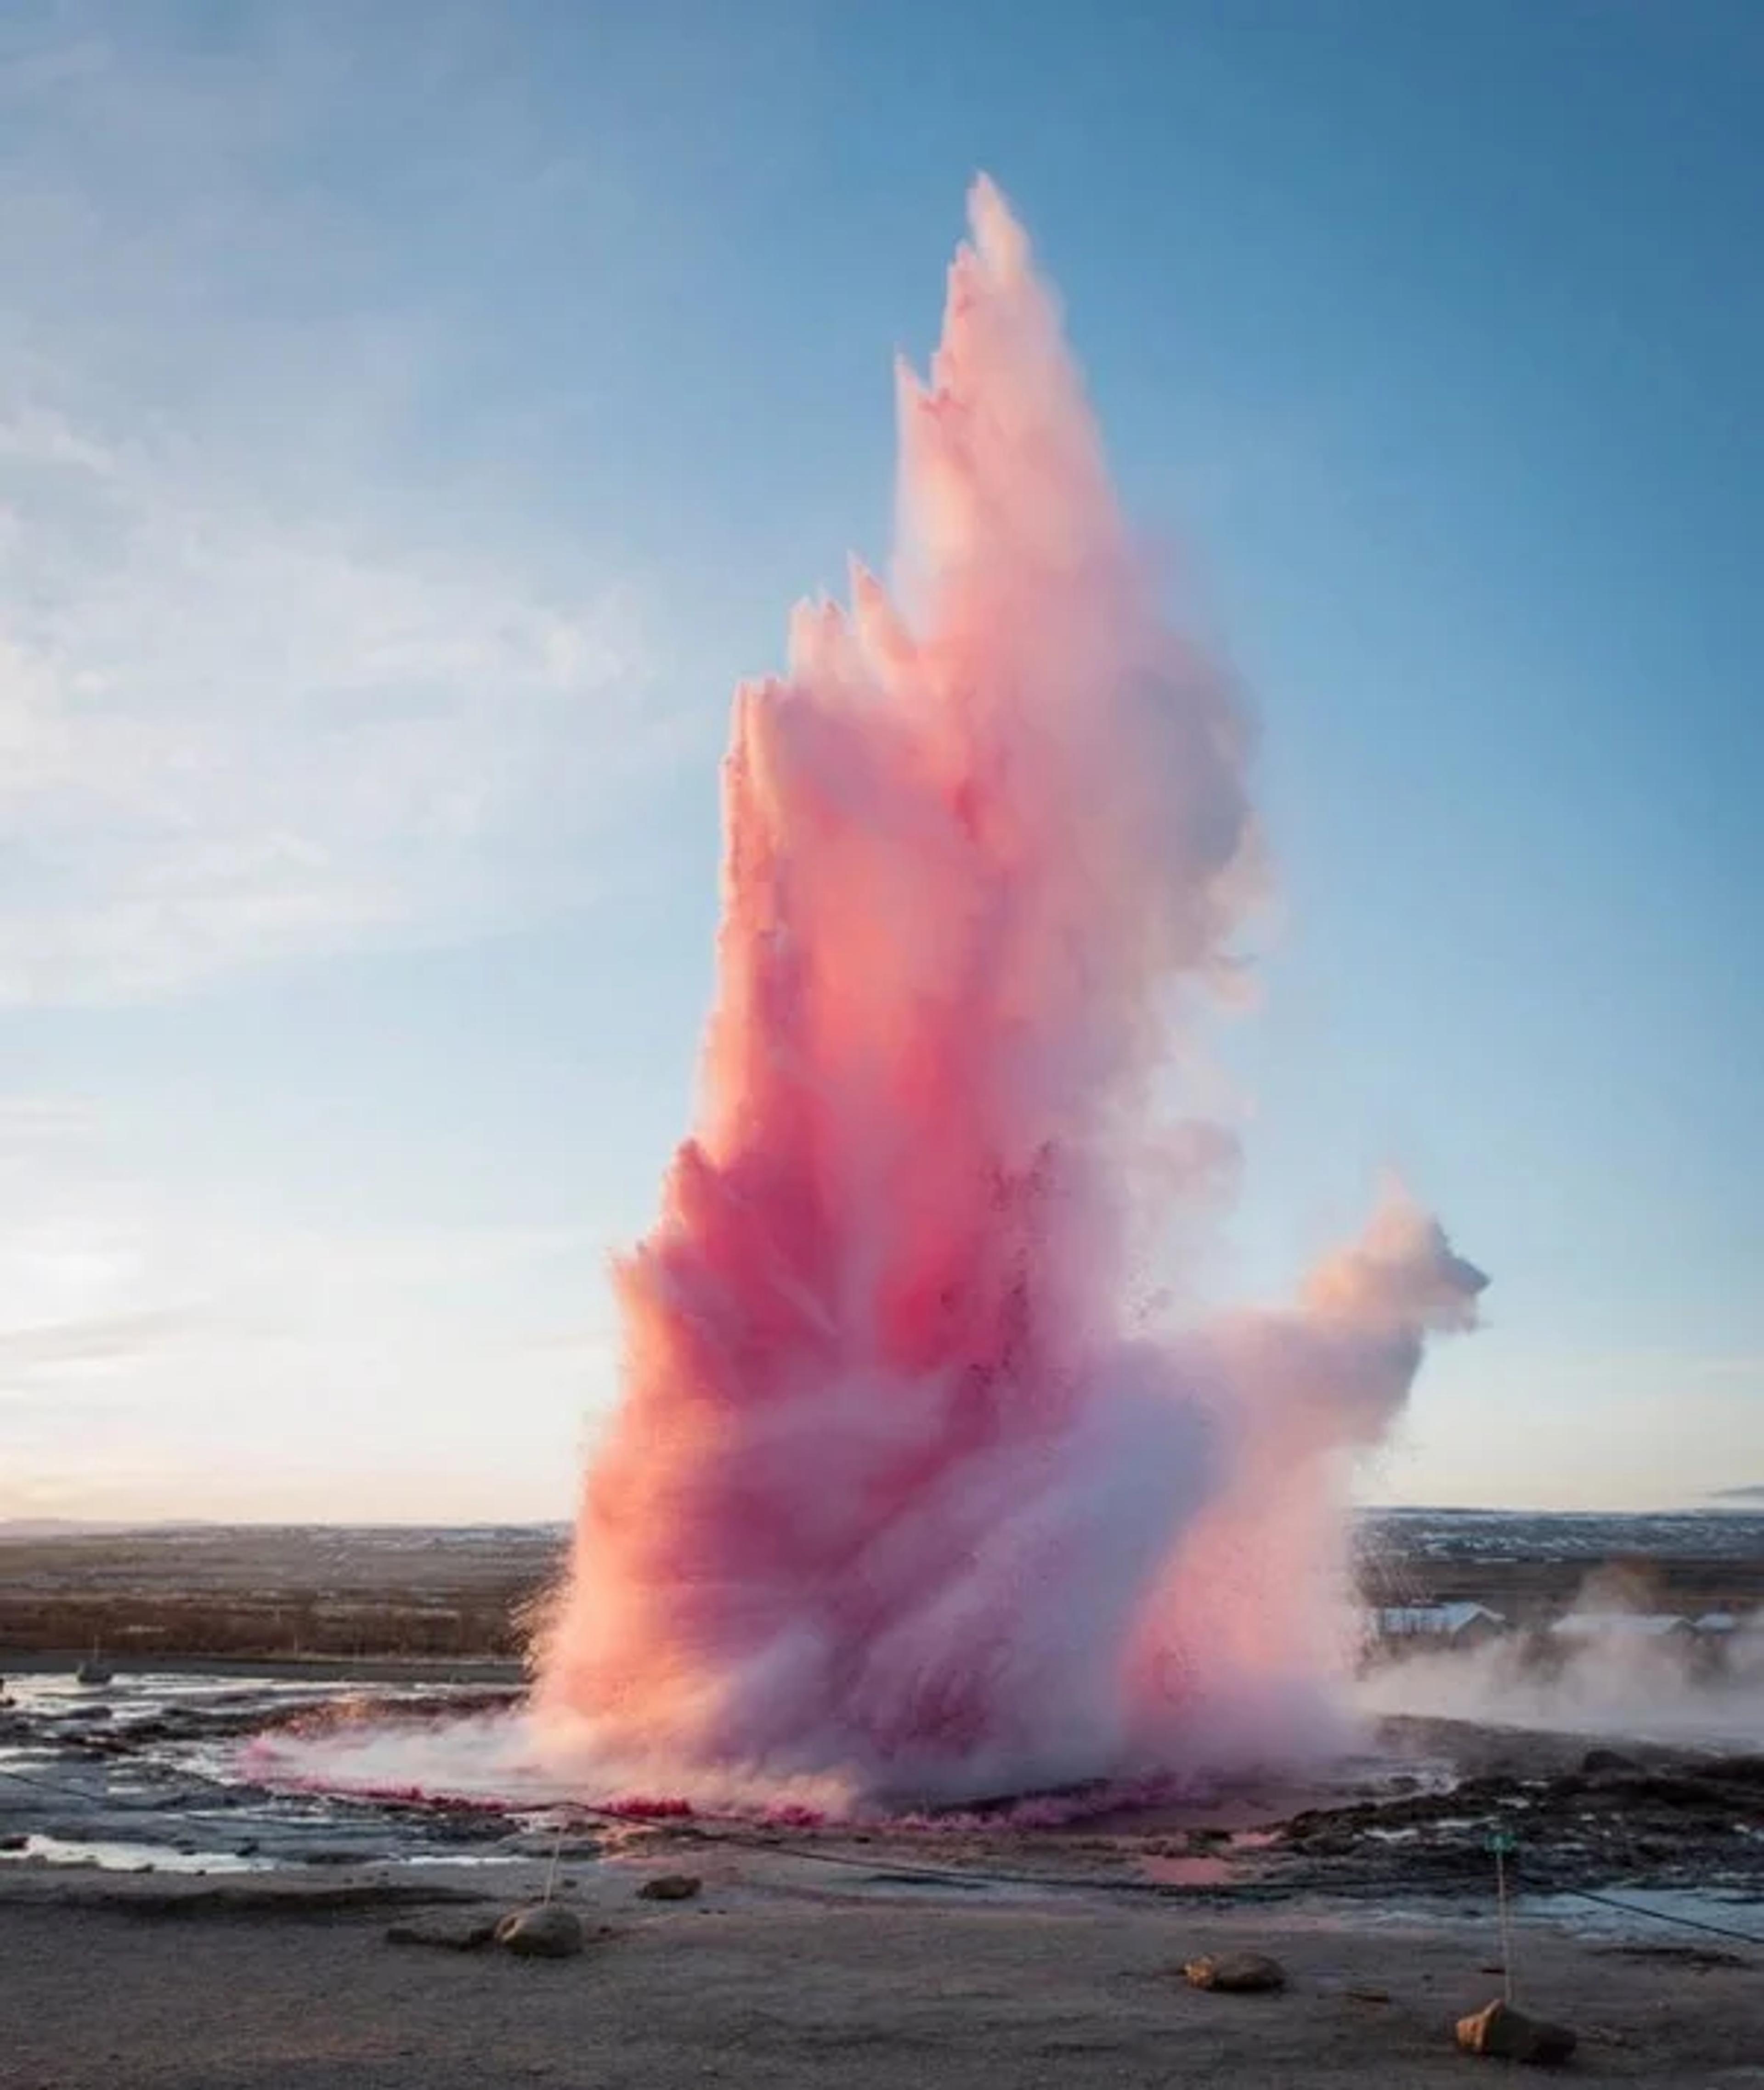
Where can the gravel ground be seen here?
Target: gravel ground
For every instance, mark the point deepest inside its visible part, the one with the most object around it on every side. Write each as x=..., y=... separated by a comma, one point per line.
x=275, y=1985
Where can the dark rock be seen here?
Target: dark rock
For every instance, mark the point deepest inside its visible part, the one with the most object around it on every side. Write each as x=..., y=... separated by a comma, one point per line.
x=1552, y=2044
x=1494, y=1786
x=477, y=1827
x=544, y=1932
x=1501, y=2033
x=1605, y=1760
x=14, y=1842
x=1666, y=1790
x=1235, y=1973
x=451, y=1933
x=670, y=1886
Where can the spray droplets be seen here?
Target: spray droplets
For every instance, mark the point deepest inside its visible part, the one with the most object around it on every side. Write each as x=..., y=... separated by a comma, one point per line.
x=894, y=1503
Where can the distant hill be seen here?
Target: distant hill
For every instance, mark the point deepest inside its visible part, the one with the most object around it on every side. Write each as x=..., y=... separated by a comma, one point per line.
x=73, y=1526
x=57, y=1527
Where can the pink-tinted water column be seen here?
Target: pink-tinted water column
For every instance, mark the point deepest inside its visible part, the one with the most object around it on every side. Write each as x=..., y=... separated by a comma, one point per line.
x=902, y=1492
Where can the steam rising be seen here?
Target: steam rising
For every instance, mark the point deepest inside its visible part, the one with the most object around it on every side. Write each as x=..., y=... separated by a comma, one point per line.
x=1617, y=1685
x=1607, y=1668
x=903, y=1498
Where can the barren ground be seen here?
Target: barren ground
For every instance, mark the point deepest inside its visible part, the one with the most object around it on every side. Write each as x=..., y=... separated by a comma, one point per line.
x=211, y=1936
x=193, y=1989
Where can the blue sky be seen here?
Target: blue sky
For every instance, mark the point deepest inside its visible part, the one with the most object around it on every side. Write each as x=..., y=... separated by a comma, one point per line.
x=414, y=419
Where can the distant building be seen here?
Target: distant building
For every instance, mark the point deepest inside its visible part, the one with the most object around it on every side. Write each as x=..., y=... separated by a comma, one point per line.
x=1413, y=1627
x=1667, y=1628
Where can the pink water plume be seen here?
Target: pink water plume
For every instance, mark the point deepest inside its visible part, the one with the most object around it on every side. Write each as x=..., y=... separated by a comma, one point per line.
x=908, y=1494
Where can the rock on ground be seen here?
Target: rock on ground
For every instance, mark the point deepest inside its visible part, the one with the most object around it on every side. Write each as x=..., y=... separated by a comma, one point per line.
x=544, y=1932
x=670, y=1886
x=1235, y=1973
x=1503, y=2034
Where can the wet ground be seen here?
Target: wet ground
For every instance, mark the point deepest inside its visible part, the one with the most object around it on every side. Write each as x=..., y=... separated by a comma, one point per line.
x=154, y=1773
x=148, y=1773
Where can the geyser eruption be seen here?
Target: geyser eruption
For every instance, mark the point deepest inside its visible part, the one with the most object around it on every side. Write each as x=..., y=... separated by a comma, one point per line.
x=904, y=1496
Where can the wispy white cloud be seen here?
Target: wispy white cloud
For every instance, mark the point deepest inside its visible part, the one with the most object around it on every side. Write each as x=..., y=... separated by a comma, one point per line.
x=29, y=1122
x=159, y=1353
x=262, y=694
x=292, y=663
x=102, y=1340
x=228, y=734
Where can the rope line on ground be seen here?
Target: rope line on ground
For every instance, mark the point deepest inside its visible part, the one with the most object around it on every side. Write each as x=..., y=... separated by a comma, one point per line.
x=1661, y=1915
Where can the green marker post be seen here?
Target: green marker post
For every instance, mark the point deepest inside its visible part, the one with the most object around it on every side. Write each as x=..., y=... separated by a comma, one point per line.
x=1502, y=1842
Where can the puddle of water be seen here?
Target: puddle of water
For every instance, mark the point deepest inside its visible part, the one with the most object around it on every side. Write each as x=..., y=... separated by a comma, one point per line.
x=1195, y=1872
x=130, y=1857
x=429, y=1857
x=1215, y=1868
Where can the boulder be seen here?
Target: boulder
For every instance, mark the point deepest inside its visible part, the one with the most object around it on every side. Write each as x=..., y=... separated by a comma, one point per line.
x=1501, y=2033
x=542, y=1931
x=670, y=1886
x=1235, y=1973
